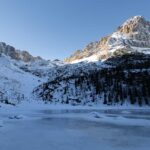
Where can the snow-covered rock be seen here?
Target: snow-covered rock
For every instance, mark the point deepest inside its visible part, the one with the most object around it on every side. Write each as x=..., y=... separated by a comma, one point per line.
x=95, y=115
x=16, y=117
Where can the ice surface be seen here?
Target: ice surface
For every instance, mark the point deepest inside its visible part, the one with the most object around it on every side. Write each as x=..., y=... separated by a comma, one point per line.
x=75, y=128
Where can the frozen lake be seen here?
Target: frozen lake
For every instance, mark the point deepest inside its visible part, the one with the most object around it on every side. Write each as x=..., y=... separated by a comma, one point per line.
x=68, y=130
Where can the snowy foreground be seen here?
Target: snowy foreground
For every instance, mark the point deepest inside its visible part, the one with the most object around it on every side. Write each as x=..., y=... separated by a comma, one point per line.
x=46, y=127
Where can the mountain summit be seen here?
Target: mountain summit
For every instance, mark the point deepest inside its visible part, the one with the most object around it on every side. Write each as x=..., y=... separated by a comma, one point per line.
x=132, y=36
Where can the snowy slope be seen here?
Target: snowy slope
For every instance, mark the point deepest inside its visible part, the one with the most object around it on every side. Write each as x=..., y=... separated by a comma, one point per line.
x=15, y=84
x=116, y=81
x=20, y=73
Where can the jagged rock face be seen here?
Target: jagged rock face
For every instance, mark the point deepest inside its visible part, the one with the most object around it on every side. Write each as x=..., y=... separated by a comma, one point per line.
x=86, y=52
x=136, y=24
x=16, y=54
x=131, y=36
x=134, y=32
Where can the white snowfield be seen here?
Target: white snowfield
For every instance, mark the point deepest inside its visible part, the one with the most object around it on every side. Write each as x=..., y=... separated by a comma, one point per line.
x=16, y=84
x=62, y=127
x=92, y=58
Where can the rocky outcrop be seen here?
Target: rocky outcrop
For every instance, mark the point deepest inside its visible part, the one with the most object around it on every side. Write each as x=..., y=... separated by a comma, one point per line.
x=16, y=54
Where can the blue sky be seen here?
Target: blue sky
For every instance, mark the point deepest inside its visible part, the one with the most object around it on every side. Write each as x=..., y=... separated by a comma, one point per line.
x=56, y=28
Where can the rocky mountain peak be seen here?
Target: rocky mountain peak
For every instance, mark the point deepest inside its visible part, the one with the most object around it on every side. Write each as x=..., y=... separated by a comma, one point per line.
x=133, y=35
x=135, y=24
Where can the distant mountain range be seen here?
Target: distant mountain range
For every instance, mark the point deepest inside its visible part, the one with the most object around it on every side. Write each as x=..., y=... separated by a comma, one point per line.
x=112, y=71
x=16, y=54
